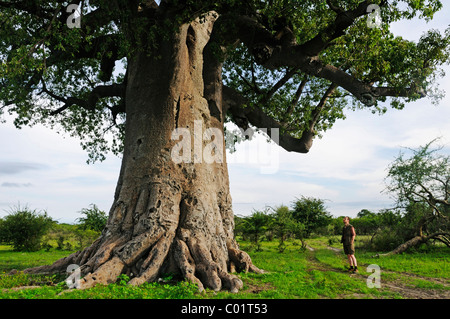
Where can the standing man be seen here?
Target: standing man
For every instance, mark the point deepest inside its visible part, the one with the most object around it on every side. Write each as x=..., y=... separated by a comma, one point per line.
x=348, y=238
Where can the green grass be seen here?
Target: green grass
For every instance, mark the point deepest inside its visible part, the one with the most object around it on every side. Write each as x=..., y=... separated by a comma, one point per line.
x=10, y=259
x=292, y=274
x=434, y=263
x=118, y=290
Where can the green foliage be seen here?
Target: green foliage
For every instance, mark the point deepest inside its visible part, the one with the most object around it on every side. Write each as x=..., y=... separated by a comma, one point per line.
x=20, y=279
x=255, y=227
x=286, y=225
x=24, y=228
x=423, y=175
x=29, y=230
x=44, y=63
x=68, y=237
x=95, y=219
x=420, y=183
x=38, y=55
x=386, y=240
x=371, y=55
x=306, y=216
x=369, y=223
x=311, y=212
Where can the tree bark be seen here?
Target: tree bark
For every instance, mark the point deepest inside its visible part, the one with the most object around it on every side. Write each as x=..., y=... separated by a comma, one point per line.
x=169, y=216
x=413, y=242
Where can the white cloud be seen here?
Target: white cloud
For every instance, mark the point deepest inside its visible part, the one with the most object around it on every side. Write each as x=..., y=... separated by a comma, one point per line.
x=54, y=171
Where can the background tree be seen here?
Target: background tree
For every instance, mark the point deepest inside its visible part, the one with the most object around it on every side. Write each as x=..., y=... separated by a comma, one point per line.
x=286, y=226
x=95, y=219
x=282, y=218
x=255, y=227
x=24, y=228
x=239, y=226
x=382, y=227
x=312, y=213
x=366, y=222
x=421, y=184
x=135, y=72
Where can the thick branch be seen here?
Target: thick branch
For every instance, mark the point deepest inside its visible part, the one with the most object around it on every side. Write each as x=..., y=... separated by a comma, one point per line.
x=273, y=52
x=233, y=102
x=343, y=20
x=321, y=105
x=297, y=96
x=278, y=85
x=364, y=92
x=97, y=93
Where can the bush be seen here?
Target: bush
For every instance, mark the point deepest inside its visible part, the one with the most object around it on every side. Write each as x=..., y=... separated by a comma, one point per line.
x=68, y=237
x=255, y=227
x=95, y=219
x=312, y=214
x=24, y=228
x=386, y=240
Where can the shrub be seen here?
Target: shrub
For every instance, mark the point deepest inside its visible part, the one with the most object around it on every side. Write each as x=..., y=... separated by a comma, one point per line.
x=386, y=240
x=86, y=237
x=69, y=237
x=255, y=227
x=312, y=214
x=24, y=228
x=95, y=219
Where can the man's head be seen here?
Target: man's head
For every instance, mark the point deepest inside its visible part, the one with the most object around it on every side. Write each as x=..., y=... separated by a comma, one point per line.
x=346, y=220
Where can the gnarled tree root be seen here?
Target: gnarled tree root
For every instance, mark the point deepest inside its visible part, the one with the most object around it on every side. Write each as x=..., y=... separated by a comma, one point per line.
x=102, y=264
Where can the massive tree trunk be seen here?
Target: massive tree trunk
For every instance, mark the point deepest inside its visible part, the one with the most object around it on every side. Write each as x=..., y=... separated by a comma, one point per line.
x=172, y=208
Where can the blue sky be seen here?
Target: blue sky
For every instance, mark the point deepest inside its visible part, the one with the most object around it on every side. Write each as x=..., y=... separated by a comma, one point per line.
x=48, y=171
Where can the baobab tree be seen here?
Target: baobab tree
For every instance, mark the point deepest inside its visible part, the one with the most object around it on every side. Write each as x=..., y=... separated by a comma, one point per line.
x=190, y=67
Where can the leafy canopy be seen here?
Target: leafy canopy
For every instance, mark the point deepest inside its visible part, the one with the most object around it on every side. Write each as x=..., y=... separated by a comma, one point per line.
x=74, y=79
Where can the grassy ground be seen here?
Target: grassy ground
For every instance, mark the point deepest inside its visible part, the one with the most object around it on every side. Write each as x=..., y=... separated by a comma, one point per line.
x=316, y=273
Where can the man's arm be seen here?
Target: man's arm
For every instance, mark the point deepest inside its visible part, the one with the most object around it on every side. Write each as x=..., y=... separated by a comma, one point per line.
x=353, y=234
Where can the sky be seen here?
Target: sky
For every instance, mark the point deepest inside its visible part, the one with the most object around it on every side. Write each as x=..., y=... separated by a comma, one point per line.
x=47, y=171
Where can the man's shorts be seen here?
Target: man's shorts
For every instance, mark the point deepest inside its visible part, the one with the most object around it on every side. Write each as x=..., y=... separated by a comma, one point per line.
x=349, y=249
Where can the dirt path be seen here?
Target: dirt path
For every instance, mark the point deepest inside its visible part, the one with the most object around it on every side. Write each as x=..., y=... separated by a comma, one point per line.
x=403, y=284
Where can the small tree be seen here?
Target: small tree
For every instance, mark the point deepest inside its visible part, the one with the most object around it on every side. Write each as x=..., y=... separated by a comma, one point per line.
x=95, y=219
x=366, y=222
x=255, y=226
x=311, y=212
x=24, y=228
x=420, y=183
x=299, y=231
x=239, y=226
x=285, y=225
x=282, y=217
